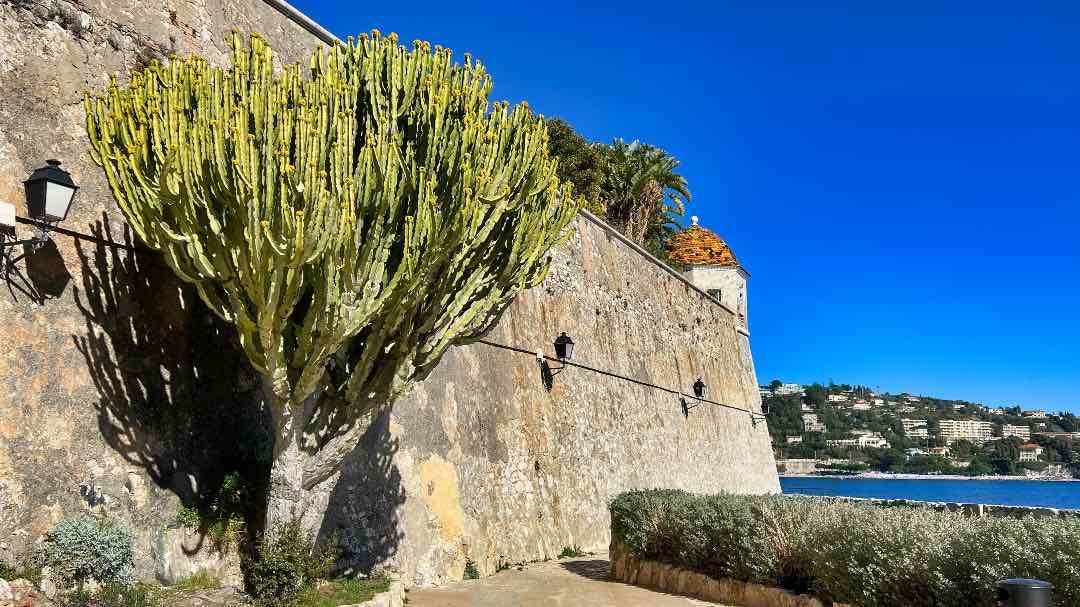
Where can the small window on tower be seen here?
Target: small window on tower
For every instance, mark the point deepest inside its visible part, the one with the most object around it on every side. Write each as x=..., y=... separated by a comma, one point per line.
x=714, y=293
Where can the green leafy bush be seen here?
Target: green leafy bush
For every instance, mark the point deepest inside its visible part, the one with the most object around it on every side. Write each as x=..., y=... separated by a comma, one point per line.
x=706, y=534
x=849, y=552
x=134, y=595
x=221, y=518
x=85, y=547
x=200, y=580
x=285, y=564
x=23, y=569
x=342, y=592
x=570, y=552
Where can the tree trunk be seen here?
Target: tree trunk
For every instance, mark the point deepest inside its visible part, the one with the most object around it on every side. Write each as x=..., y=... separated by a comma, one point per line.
x=294, y=473
x=287, y=499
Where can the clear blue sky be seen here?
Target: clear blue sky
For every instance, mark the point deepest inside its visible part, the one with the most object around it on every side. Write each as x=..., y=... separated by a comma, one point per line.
x=901, y=179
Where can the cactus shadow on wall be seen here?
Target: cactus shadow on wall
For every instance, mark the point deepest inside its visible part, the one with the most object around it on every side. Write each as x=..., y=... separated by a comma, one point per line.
x=362, y=512
x=179, y=399
x=177, y=396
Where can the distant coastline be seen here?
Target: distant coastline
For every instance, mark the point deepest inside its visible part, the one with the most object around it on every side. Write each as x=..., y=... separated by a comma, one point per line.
x=940, y=489
x=929, y=477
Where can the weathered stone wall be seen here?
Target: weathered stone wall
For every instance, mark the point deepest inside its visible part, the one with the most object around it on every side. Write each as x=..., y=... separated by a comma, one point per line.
x=118, y=390
x=120, y=393
x=487, y=466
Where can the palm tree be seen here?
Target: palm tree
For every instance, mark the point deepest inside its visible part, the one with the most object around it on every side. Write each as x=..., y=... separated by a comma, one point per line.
x=643, y=195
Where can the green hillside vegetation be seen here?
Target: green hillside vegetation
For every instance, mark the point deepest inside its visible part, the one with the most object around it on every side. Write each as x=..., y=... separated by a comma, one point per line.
x=997, y=456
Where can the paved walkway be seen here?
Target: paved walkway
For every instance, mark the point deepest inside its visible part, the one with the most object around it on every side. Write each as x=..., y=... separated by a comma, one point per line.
x=581, y=582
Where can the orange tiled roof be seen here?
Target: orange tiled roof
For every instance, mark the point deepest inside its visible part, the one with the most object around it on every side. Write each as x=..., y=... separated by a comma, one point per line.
x=697, y=246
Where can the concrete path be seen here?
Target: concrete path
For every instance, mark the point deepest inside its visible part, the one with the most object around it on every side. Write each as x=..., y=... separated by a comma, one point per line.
x=580, y=582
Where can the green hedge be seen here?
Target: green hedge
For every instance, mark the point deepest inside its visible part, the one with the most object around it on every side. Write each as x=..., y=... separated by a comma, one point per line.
x=854, y=553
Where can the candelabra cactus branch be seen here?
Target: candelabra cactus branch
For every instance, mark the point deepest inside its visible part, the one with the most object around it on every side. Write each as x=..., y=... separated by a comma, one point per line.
x=352, y=224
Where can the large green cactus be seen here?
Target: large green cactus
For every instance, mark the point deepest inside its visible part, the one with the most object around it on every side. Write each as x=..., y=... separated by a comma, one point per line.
x=353, y=224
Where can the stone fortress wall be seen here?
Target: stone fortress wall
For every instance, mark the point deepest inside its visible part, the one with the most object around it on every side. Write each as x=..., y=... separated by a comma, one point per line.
x=120, y=393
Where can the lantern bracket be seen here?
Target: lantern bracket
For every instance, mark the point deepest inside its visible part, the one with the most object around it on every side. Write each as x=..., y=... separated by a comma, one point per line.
x=687, y=406
x=547, y=372
x=41, y=236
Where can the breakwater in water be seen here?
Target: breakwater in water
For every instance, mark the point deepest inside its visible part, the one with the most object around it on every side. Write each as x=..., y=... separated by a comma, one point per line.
x=1030, y=494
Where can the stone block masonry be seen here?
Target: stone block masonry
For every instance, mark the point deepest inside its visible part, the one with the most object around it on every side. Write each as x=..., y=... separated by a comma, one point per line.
x=120, y=393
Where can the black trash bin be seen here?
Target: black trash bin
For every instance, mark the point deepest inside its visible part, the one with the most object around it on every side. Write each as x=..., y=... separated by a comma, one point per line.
x=1025, y=593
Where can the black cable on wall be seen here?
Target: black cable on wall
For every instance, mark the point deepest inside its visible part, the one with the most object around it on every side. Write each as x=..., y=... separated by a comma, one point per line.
x=619, y=376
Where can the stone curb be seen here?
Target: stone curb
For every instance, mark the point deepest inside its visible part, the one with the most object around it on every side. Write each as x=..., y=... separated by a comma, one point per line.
x=668, y=578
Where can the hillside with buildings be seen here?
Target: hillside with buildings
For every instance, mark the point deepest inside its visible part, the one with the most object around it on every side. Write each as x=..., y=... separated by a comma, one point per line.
x=848, y=429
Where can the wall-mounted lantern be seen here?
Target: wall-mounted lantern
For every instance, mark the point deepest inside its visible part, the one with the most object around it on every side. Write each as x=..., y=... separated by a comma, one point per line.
x=699, y=392
x=699, y=388
x=564, y=349
x=49, y=192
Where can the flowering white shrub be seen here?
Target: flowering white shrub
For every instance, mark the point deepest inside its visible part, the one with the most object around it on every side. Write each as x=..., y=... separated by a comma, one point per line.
x=860, y=554
x=84, y=547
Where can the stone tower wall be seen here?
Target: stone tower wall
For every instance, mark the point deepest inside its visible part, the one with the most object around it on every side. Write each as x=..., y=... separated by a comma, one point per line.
x=732, y=283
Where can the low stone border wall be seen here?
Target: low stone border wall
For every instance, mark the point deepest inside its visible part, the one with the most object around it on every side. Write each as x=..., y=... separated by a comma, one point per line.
x=394, y=597
x=668, y=578
x=963, y=508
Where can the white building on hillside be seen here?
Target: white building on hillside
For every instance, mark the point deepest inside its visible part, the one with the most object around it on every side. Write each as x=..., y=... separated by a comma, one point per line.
x=1021, y=432
x=866, y=438
x=811, y=423
x=863, y=439
x=789, y=389
x=972, y=430
x=1030, y=452
x=915, y=428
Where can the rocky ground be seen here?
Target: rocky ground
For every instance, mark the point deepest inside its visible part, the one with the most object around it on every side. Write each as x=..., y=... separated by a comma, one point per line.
x=22, y=593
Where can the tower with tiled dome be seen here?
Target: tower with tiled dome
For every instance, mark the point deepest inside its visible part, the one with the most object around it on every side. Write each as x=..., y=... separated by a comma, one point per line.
x=711, y=266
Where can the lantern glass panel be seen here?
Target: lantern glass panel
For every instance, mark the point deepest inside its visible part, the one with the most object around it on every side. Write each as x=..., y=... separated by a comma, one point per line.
x=57, y=200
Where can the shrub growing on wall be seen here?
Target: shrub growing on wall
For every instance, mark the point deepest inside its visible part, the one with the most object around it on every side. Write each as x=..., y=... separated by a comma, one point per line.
x=352, y=225
x=284, y=563
x=84, y=547
x=847, y=552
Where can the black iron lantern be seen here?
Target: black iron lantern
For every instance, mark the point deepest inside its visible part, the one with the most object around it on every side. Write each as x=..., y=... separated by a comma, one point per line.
x=49, y=191
x=564, y=347
x=699, y=388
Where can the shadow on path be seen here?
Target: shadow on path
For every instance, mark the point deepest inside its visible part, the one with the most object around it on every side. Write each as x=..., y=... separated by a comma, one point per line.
x=595, y=569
